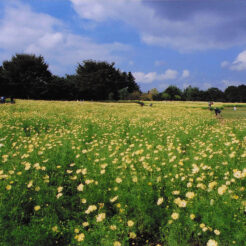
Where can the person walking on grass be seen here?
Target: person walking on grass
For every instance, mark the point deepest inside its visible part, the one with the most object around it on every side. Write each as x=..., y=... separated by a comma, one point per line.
x=217, y=111
x=12, y=100
x=210, y=105
x=2, y=100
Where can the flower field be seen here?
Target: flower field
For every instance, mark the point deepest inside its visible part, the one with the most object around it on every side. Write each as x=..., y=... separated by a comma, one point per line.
x=86, y=173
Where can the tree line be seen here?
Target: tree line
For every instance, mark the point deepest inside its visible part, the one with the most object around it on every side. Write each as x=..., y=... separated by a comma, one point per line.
x=27, y=76
x=230, y=94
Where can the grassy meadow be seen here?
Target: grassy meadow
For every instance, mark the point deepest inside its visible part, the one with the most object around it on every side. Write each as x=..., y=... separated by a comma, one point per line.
x=87, y=173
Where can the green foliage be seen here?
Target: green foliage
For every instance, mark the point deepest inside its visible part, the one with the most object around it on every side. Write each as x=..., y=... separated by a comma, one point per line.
x=165, y=96
x=173, y=92
x=236, y=94
x=123, y=93
x=146, y=97
x=192, y=94
x=135, y=95
x=214, y=94
x=25, y=76
x=234, y=105
x=154, y=94
x=177, y=97
x=96, y=80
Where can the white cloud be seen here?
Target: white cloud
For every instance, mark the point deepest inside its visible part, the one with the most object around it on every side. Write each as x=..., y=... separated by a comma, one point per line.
x=185, y=73
x=224, y=64
x=23, y=30
x=169, y=74
x=199, y=29
x=145, y=78
x=126, y=10
x=225, y=83
x=20, y=26
x=240, y=62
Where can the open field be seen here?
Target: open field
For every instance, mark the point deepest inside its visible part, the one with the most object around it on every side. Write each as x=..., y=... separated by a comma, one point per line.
x=240, y=113
x=83, y=173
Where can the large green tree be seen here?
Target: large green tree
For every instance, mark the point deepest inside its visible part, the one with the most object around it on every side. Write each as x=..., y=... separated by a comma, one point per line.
x=192, y=94
x=242, y=93
x=215, y=94
x=2, y=83
x=131, y=83
x=231, y=93
x=101, y=81
x=174, y=92
x=154, y=94
x=26, y=76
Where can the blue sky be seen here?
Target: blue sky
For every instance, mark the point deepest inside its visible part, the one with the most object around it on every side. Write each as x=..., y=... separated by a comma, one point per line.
x=162, y=42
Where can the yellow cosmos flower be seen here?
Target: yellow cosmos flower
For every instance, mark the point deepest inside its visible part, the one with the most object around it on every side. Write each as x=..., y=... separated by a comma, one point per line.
x=192, y=216
x=29, y=185
x=36, y=208
x=80, y=187
x=202, y=225
x=83, y=200
x=59, y=195
x=175, y=216
x=132, y=235
x=212, y=242
x=91, y=208
x=8, y=187
x=118, y=180
x=80, y=237
x=190, y=195
x=160, y=201
x=85, y=224
x=130, y=223
x=37, y=188
x=180, y=203
x=113, y=199
x=113, y=227
x=59, y=189
x=216, y=232
x=55, y=229
x=222, y=189
x=100, y=217
x=176, y=192
x=211, y=185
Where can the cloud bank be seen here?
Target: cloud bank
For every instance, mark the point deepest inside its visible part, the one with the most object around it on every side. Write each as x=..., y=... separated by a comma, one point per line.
x=147, y=78
x=239, y=64
x=185, y=73
x=23, y=30
x=177, y=24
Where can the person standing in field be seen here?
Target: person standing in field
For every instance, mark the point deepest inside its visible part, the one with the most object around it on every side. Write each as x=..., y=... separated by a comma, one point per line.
x=2, y=99
x=217, y=111
x=210, y=105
